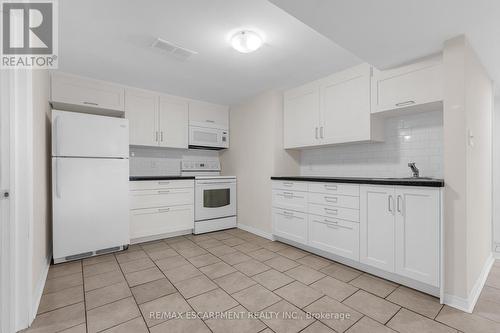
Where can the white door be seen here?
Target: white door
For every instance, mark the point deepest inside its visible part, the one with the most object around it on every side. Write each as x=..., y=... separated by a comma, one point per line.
x=345, y=106
x=290, y=225
x=90, y=204
x=141, y=110
x=86, y=135
x=377, y=209
x=174, y=122
x=417, y=234
x=336, y=236
x=6, y=232
x=208, y=115
x=301, y=117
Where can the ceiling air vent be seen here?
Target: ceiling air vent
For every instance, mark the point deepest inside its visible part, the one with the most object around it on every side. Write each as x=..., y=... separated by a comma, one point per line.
x=172, y=49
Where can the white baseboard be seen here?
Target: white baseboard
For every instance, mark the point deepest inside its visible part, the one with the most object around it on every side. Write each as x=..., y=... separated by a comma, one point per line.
x=256, y=231
x=467, y=304
x=38, y=291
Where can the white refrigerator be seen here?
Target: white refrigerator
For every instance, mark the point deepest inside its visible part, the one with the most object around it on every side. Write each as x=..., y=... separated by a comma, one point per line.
x=90, y=171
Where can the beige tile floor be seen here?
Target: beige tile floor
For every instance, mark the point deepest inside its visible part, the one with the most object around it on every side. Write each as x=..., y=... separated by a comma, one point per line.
x=160, y=286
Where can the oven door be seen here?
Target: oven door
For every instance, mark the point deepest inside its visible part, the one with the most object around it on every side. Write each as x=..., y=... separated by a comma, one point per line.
x=215, y=199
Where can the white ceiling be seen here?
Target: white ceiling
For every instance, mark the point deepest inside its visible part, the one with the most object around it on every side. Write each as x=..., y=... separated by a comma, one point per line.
x=110, y=40
x=389, y=32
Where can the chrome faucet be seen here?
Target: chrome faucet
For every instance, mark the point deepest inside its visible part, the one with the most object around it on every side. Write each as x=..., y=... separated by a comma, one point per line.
x=414, y=169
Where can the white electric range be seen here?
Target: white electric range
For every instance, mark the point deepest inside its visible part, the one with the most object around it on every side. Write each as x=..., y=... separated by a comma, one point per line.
x=214, y=198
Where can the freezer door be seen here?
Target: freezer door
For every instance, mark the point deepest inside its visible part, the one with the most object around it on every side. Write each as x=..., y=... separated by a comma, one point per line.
x=87, y=135
x=90, y=205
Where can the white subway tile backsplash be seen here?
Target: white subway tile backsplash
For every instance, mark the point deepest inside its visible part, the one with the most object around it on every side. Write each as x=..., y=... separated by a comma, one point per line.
x=408, y=138
x=154, y=161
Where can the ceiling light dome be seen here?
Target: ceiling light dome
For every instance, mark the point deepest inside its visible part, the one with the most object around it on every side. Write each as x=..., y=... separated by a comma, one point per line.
x=246, y=41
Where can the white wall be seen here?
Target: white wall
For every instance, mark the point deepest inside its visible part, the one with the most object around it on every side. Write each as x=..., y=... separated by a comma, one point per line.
x=496, y=177
x=408, y=138
x=467, y=170
x=42, y=206
x=255, y=154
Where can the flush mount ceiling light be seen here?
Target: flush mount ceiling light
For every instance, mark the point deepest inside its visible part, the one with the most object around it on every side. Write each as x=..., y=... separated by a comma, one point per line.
x=246, y=41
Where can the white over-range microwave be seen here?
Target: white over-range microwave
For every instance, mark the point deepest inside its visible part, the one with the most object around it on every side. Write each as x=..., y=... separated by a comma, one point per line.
x=208, y=138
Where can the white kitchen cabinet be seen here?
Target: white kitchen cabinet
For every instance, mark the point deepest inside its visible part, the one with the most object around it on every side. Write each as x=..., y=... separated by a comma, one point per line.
x=417, y=233
x=418, y=86
x=73, y=92
x=335, y=236
x=141, y=109
x=301, y=118
x=377, y=226
x=173, y=123
x=333, y=110
x=160, y=207
x=156, y=120
x=205, y=114
x=290, y=225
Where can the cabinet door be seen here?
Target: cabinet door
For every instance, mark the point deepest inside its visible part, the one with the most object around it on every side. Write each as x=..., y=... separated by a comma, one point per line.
x=301, y=117
x=408, y=86
x=208, y=115
x=174, y=121
x=345, y=106
x=75, y=90
x=417, y=234
x=141, y=109
x=290, y=225
x=377, y=209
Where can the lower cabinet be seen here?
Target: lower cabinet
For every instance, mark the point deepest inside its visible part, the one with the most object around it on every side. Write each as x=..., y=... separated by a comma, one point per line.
x=160, y=207
x=290, y=224
x=336, y=236
x=400, y=231
x=395, y=229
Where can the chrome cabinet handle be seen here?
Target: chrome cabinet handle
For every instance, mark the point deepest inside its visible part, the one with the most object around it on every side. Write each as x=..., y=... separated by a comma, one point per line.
x=405, y=103
x=156, y=136
x=316, y=133
x=210, y=121
x=331, y=187
x=164, y=192
x=390, y=200
x=90, y=103
x=331, y=199
x=163, y=210
x=399, y=207
x=164, y=183
x=161, y=136
x=332, y=211
x=321, y=132
x=287, y=184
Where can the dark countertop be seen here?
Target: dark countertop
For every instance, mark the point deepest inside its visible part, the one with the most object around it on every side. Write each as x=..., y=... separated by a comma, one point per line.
x=427, y=182
x=136, y=178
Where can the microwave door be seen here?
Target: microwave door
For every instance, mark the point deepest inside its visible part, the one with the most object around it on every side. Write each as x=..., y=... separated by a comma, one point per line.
x=204, y=137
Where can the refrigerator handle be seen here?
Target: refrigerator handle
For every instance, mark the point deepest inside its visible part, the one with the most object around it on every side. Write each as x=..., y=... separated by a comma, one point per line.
x=58, y=190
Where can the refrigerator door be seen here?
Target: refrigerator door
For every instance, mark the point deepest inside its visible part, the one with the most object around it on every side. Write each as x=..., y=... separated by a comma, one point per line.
x=87, y=135
x=90, y=205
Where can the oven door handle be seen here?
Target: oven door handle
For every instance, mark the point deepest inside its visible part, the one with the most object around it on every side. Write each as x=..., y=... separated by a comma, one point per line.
x=212, y=182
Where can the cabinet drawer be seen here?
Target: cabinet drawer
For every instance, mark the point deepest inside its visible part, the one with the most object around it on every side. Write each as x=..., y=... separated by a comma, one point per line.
x=335, y=236
x=345, y=201
x=157, y=221
x=290, y=225
x=290, y=199
x=289, y=185
x=160, y=198
x=335, y=212
x=161, y=184
x=334, y=188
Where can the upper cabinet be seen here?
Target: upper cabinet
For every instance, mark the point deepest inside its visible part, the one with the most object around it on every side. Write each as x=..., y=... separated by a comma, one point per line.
x=205, y=114
x=73, y=92
x=417, y=86
x=333, y=110
x=156, y=120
